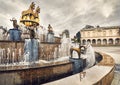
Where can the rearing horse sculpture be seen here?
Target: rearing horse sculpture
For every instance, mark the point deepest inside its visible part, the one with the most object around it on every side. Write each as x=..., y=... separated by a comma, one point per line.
x=30, y=10
x=37, y=11
x=4, y=30
x=15, y=25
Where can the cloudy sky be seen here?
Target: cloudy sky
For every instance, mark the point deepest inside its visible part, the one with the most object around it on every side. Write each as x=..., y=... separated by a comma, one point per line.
x=65, y=14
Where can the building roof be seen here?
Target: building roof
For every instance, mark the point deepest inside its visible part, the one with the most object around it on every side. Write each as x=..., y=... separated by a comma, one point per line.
x=103, y=28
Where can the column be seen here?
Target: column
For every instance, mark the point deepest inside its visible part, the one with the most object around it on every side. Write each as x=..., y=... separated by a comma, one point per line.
x=101, y=41
x=113, y=41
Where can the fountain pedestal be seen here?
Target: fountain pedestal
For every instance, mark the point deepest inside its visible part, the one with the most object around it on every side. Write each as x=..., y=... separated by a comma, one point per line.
x=15, y=35
x=50, y=37
x=78, y=64
x=31, y=50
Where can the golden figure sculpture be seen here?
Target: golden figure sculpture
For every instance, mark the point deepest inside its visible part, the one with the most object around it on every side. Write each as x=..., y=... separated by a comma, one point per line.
x=37, y=11
x=31, y=16
x=30, y=10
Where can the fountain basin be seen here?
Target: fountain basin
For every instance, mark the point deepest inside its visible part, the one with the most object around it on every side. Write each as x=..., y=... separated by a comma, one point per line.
x=39, y=73
x=15, y=71
x=15, y=34
x=100, y=74
x=45, y=51
x=35, y=74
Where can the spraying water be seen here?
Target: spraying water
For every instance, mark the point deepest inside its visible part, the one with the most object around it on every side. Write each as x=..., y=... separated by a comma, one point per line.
x=89, y=55
x=65, y=46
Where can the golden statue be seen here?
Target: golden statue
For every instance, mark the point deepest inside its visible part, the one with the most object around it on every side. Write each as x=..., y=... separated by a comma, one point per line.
x=37, y=11
x=30, y=10
x=31, y=16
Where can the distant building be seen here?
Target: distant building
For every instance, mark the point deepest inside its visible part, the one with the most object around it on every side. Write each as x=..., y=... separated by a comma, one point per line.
x=101, y=35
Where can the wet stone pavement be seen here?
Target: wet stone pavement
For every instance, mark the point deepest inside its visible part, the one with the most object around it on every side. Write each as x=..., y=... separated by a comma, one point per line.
x=116, y=80
x=115, y=53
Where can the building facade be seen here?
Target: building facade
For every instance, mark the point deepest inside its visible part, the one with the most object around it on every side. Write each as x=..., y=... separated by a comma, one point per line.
x=101, y=35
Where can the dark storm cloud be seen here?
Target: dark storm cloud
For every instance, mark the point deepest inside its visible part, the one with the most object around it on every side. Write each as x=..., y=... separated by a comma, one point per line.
x=65, y=14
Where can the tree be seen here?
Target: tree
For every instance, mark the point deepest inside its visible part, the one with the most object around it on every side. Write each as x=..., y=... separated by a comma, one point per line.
x=78, y=36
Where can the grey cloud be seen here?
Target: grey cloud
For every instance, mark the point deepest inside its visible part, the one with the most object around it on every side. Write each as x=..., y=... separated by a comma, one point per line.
x=65, y=14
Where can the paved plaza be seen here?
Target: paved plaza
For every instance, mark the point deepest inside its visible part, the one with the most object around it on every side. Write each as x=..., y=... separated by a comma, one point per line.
x=115, y=53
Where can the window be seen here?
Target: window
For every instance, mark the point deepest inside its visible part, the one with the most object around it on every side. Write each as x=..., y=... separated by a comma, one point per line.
x=104, y=33
x=110, y=32
x=88, y=34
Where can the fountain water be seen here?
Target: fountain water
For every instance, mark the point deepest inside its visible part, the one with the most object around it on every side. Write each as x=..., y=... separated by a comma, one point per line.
x=65, y=46
x=55, y=53
x=13, y=57
x=40, y=33
x=19, y=55
x=1, y=34
x=75, y=54
x=50, y=37
x=89, y=55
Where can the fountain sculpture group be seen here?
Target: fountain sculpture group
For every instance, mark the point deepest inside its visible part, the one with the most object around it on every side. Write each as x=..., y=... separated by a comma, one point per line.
x=31, y=44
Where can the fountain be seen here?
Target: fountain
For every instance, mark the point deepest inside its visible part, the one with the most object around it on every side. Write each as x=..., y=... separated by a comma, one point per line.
x=89, y=55
x=31, y=50
x=31, y=54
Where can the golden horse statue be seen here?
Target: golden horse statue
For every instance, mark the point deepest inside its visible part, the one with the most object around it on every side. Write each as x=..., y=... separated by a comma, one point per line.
x=37, y=11
x=79, y=50
x=30, y=10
